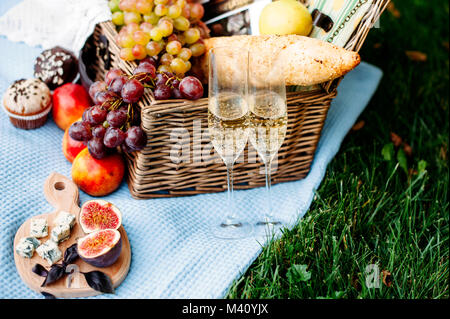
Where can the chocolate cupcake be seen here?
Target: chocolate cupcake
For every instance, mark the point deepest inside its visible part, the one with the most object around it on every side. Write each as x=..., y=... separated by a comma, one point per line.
x=56, y=67
x=27, y=103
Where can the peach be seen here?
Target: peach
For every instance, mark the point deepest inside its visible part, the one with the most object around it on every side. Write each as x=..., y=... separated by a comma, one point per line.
x=98, y=177
x=69, y=102
x=70, y=147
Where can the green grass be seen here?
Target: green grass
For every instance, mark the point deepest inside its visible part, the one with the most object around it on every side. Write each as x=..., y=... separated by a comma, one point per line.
x=369, y=208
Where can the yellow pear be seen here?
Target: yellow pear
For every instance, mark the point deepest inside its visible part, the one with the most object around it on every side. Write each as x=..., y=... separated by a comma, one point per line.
x=284, y=17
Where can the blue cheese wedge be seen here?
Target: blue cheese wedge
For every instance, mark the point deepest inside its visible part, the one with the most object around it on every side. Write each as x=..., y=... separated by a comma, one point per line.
x=27, y=246
x=60, y=233
x=49, y=251
x=65, y=218
x=38, y=228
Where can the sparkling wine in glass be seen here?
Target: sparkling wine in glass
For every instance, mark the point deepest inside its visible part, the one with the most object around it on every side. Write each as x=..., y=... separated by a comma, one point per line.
x=268, y=120
x=228, y=125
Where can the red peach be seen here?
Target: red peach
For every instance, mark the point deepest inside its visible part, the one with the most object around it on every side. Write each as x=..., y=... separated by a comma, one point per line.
x=69, y=102
x=70, y=147
x=98, y=177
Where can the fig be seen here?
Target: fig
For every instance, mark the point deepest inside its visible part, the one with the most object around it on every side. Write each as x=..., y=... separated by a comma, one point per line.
x=99, y=214
x=100, y=248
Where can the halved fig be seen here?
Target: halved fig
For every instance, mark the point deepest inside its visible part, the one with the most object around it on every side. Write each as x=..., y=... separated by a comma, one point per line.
x=100, y=248
x=99, y=214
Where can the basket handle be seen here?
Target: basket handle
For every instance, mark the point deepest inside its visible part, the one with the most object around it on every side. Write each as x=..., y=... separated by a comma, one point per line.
x=103, y=52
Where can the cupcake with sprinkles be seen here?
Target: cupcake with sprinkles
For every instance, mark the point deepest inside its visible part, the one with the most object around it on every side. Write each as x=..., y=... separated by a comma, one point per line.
x=56, y=67
x=27, y=103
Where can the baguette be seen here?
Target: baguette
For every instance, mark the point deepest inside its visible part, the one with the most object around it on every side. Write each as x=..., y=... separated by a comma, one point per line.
x=305, y=61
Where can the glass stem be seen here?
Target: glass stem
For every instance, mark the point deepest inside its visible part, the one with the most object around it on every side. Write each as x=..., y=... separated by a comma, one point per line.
x=268, y=165
x=230, y=191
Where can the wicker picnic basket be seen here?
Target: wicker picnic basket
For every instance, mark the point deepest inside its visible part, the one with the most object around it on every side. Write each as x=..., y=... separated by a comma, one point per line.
x=152, y=172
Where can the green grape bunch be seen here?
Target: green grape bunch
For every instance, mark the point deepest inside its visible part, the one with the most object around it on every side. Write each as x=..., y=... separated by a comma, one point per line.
x=170, y=31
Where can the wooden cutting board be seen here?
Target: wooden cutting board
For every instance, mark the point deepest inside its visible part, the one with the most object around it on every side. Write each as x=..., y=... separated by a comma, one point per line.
x=63, y=195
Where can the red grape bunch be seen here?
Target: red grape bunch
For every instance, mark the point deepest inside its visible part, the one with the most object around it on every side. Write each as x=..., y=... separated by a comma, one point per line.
x=167, y=85
x=113, y=121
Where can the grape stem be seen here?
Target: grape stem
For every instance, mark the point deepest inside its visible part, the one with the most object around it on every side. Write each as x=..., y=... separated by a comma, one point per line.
x=139, y=77
x=114, y=105
x=169, y=79
x=130, y=110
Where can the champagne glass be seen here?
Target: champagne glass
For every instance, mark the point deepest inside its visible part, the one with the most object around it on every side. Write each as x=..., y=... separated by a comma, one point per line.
x=268, y=118
x=228, y=124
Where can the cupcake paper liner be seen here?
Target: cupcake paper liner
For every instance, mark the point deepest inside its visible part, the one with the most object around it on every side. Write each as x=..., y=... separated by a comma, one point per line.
x=28, y=122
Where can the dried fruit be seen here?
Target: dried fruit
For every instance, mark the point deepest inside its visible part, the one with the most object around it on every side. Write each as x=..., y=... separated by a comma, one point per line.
x=98, y=215
x=101, y=248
